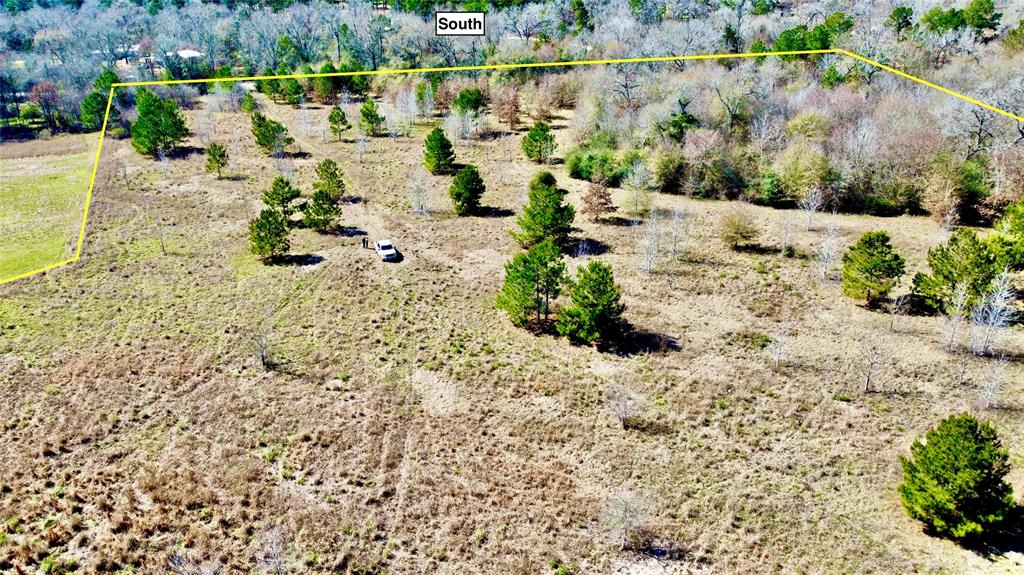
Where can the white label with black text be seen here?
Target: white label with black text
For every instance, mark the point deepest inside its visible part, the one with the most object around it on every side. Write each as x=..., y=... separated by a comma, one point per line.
x=459, y=23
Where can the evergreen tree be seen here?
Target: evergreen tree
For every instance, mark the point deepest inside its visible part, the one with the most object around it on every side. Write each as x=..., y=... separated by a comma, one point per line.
x=268, y=235
x=871, y=268
x=596, y=310
x=329, y=179
x=294, y=93
x=369, y=120
x=981, y=15
x=466, y=189
x=321, y=211
x=954, y=480
x=539, y=143
x=338, y=121
x=249, y=104
x=962, y=261
x=900, y=20
x=271, y=136
x=160, y=126
x=280, y=195
x=92, y=110
x=533, y=281
x=469, y=100
x=326, y=88
x=216, y=158
x=545, y=216
x=438, y=155
x=1007, y=243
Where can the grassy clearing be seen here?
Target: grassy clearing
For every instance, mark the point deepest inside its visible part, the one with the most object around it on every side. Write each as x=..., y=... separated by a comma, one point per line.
x=409, y=428
x=41, y=202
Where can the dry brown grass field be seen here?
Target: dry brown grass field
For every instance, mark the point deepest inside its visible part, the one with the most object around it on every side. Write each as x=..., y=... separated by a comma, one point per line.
x=408, y=427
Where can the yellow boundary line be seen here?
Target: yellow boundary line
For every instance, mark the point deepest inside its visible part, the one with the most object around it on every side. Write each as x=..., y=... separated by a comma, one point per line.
x=647, y=60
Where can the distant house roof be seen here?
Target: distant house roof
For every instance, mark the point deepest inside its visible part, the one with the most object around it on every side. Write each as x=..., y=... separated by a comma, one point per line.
x=186, y=54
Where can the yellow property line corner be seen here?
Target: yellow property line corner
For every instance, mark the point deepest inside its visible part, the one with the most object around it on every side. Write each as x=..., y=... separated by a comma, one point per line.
x=480, y=67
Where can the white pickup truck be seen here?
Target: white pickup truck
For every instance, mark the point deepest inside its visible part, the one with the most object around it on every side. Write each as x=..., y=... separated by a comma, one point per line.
x=386, y=250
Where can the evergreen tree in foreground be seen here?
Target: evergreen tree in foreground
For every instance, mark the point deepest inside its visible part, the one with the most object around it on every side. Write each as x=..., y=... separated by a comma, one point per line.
x=871, y=268
x=160, y=126
x=953, y=480
x=438, y=155
x=216, y=158
x=281, y=195
x=92, y=109
x=466, y=190
x=545, y=215
x=338, y=121
x=533, y=281
x=596, y=310
x=268, y=235
x=272, y=137
x=539, y=143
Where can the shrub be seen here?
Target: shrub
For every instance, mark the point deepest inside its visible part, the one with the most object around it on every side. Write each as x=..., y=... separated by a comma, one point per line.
x=338, y=122
x=249, y=104
x=598, y=201
x=1014, y=39
x=438, y=155
x=1007, y=243
x=738, y=228
x=596, y=310
x=810, y=125
x=539, y=143
x=469, y=100
x=871, y=268
x=594, y=165
x=532, y=281
x=92, y=109
x=953, y=480
x=160, y=126
x=670, y=170
x=768, y=191
x=801, y=167
x=466, y=189
x=963, y=260
x=545, y=216
x=216, y=158
x=268, y=234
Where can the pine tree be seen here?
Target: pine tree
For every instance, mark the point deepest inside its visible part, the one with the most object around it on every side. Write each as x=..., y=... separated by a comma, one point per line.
x=871, y=268
x=539, y=143
x=438, y=155
x=280, y=195
x=466, y=189
x=268, y=235
x=271, y=136
x=216, y=158
x=294, y=93
x=596, y=310
x=92, y=109
x=598, y=201
x=321, y=211
x=338, y=121
x=329, y=179
x=963, y=260
x=249, y=104
x=954, y=480
x=533, y=281
x=369, y=120
x=160, y=126
x=326, y=88
x=545, y=215
x=469, y=100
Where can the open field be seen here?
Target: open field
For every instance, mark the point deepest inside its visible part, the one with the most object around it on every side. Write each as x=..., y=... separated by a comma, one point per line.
x=409, y=428
x=42, y=197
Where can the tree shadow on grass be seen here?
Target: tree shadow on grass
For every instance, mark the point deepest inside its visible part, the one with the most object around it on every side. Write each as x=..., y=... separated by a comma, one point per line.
x=633, y=341
x=236, y=177
x=1009, y=539
x=344, y=231
x=298, y=260
x=579, y=247
x=758, y=249
x=182, y=152
x=493, y=212
x=618, y=221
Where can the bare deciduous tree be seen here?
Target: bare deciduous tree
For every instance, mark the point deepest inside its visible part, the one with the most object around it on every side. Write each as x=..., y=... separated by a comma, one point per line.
x=988, y=394
x=262, y=340
x=626, y=403
x=897, y=305
x=955, y=311
x=418, y=196
x=828, y=250
x=778, y=346
x=623, y=515
x=648, y=242
x=991, y=314
x=272, y=557
x=872, y=357
x=812, y=203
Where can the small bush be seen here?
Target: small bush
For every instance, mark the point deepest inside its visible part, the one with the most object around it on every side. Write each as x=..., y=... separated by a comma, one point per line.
x=871, y=268
x=738, y=229
x=466, y=189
